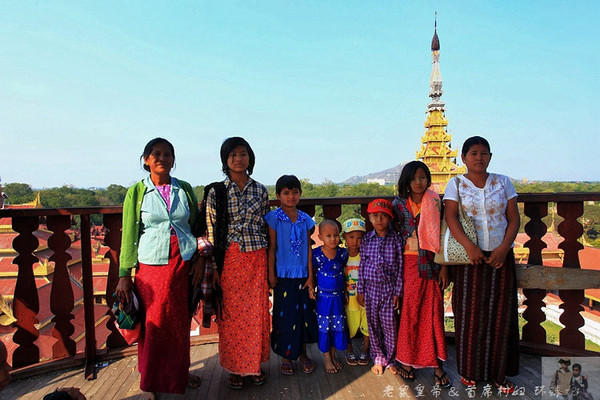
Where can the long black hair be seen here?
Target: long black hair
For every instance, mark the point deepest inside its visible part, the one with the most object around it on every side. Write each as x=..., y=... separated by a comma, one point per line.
x=227, y=147
x=408, y=173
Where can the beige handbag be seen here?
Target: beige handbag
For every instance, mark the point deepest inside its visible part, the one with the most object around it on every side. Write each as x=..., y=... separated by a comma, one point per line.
x=451, y=251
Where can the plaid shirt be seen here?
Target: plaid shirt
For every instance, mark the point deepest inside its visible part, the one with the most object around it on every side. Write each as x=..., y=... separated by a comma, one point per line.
x=246, y=210
x=380, y=261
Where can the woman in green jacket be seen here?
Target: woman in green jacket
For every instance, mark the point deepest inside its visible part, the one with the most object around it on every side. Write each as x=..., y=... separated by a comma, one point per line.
x=160, y=219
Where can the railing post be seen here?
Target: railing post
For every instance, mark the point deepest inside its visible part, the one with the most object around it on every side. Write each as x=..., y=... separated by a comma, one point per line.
x=332, y=211
x=112, y=239
x=61, y=296
x=309, y=209
x=88, y=297
x=365, y=215
x=25, y=304
x=533, y=331
x=571, y=230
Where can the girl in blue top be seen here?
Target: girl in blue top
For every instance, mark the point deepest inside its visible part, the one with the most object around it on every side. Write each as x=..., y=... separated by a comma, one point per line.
x=292, y=278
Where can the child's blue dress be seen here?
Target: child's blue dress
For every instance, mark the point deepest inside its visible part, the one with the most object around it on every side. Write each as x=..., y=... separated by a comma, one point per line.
x=331, y=318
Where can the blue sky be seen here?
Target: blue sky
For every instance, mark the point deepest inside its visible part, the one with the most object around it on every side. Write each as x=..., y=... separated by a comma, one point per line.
x=320, y=89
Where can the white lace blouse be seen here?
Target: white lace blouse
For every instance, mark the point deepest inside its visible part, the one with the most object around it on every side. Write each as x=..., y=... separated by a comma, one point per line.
x=486, y=206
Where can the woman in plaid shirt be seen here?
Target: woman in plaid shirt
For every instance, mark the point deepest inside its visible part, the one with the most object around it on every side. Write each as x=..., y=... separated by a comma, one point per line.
x=244, y=320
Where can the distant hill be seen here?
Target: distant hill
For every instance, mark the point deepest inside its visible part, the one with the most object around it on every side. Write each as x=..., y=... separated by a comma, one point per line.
x=390, y=175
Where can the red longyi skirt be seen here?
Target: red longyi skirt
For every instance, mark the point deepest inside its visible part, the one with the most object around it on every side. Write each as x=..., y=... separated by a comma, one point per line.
x=244, y=329
x=164, y=345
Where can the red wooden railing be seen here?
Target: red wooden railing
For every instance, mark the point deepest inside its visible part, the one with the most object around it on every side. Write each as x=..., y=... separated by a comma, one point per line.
x=26, y=301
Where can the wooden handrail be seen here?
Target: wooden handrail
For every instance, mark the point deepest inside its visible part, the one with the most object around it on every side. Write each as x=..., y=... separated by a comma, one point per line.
x=552, y=278
x=305, y=201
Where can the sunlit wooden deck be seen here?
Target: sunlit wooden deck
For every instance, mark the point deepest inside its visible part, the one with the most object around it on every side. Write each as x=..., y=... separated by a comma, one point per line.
x=120, y=380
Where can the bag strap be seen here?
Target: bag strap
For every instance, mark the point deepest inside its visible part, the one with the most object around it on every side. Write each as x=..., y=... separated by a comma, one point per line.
x=461, y=210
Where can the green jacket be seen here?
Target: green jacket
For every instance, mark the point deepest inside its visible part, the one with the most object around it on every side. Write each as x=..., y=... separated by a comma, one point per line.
x=132, y=207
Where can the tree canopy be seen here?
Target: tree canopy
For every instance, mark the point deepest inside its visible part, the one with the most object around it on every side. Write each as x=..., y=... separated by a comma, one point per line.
x=68, y=196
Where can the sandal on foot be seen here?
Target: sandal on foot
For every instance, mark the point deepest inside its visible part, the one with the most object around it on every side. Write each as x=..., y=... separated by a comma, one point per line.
x=258, y=380
x=235, y=381
x=286, y=368
x=407, y=375
x=351, y=359
x=363, y=359
x=506, y=387
x=307, y=366
x=467, y=382
x=440, y=379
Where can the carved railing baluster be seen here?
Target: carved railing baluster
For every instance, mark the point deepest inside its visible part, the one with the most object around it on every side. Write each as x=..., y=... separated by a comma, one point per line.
x=533, y=331
x=25, y=303
x=112, y=239
x=61, y=296
x=88, y=297
x=571, y=230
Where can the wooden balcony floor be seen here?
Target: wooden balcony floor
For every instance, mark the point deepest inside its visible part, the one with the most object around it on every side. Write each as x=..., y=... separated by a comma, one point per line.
x=120, y=380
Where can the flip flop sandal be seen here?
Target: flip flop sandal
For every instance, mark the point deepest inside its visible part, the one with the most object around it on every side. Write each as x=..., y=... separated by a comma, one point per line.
x=439, y=379
x=408, y=373
x=235, y=382
x=351, y=359
x=286, y=368
x=258, y=380
x=506, y=387
x=467, y=382
x=363, y=359
x=307, y=366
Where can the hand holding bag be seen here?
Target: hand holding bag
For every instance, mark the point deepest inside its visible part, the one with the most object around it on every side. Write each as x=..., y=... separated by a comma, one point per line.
x=128, y=318
x=451, y=251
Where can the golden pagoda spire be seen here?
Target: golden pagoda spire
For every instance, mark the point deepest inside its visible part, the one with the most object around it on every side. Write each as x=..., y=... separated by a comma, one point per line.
x=435, y=150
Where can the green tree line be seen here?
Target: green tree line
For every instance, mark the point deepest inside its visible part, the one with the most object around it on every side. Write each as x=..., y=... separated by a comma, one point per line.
x=68, y=196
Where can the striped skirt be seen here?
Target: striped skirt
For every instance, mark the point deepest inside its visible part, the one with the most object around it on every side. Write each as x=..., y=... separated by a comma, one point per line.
x=484, y=301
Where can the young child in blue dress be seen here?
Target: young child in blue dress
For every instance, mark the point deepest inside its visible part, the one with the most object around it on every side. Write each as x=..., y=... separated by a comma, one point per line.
x=291, y=276
x=329, y=261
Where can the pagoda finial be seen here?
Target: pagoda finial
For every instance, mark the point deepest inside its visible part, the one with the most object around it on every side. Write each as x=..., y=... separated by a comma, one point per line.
x=435, y=42
x=436, y=150
x=436, y=76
